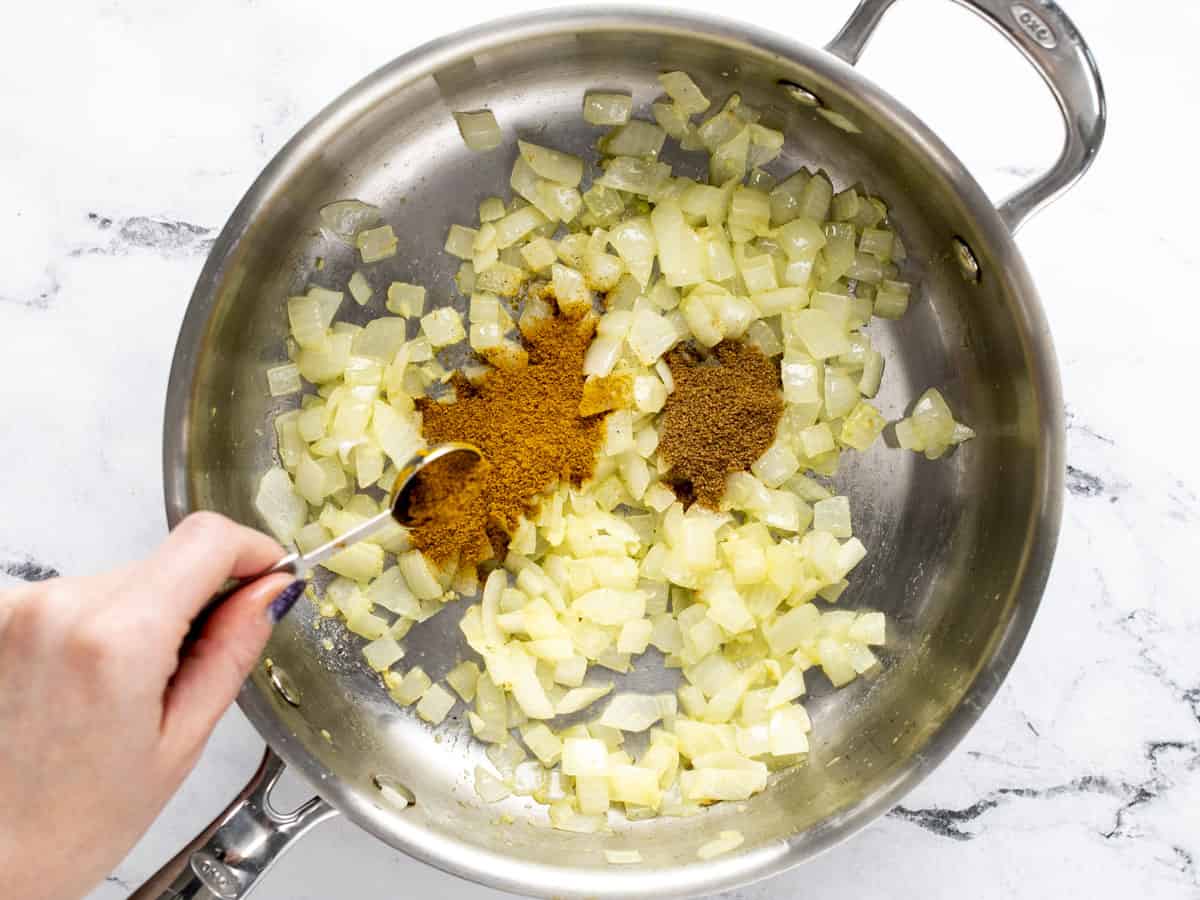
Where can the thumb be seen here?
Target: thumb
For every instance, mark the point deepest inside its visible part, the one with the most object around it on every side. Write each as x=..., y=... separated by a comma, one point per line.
x=211, y=674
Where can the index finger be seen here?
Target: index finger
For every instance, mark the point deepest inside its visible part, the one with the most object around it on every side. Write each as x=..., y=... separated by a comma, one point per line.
x=200, y=554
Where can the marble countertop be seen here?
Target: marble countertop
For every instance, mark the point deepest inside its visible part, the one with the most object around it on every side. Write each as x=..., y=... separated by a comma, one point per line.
x=131, y=128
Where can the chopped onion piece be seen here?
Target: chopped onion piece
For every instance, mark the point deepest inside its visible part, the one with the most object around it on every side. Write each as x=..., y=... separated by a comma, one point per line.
x=684, y=92
x=580, y=698
x=405, y=299
x=707, y=784
x=634, y=785
x=632, y=712
x=637, y=176
x=546, y=746
x=634, y=241
x=821, y=333
x=381, y=653
x=862, y=426
x=491, y=209
x=361, y=562
x=634, y=138
x=283, y=380
x=490, y=788
x=788, y=731
x=868, y=628
x=376, y=243
x=564, y=818
x=606, y=109
x=584, y=756
x=539, y=254
x=479, y=129
x=516, y=225
x=570, y=290
x=281, y=507
x=443, y=327
x=460, y=241
x=346, y=218
x=891, y=300
x=672, y=119
x=463, y=678
x=412, y=686
x=552, y=165
x=309, y=322
x=730, y=159
x=435, y=704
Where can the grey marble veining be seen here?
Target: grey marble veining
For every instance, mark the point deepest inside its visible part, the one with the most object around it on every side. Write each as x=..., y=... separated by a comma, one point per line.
x=122, y=158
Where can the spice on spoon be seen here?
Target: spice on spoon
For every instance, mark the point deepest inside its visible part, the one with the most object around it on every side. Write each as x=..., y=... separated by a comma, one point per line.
x=441, y=497
x=526, y=420
x=721, y=417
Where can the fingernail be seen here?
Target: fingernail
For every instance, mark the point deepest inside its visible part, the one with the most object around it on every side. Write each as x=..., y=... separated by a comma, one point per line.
x=286, y=600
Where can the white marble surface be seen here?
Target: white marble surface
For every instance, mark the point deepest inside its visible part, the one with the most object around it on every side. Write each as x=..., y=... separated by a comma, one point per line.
x=129, y=129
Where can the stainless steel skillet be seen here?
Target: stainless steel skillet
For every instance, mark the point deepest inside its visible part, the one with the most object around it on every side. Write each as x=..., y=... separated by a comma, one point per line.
x=960, y=548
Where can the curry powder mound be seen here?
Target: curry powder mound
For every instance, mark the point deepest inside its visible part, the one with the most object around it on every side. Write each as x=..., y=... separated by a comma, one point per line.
x=525, y=419
x=721, y=417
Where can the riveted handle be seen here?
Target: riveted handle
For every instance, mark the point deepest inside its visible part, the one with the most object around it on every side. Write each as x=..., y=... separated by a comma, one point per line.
x=1049, y=40
x=226, y=860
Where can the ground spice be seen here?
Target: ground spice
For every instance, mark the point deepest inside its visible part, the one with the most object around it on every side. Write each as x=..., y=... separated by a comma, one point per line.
x=441, y=499
x=606, y=394
x=526, y=420
x=720, y=418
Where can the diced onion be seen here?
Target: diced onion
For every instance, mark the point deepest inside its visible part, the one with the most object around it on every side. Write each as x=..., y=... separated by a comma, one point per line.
x=479, y=129
x=684, y=92
x=637, y=176
x=598, y=572
x=632, y=712
x=490, y=788
x=443, y=327
x=634, y=138
x=552, y=165
x=412, y=686
x=672, y=119
x=281, y=507
x=376, y=243
x=381, y=653
x=580, y=698
x=283, y=380
x=606, y=109
x=435, y=704
x=346, y=218
x=360, y=288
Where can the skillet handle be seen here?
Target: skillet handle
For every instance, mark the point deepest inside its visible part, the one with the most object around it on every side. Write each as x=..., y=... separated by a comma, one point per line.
x=227, y=858
x=1049, y=40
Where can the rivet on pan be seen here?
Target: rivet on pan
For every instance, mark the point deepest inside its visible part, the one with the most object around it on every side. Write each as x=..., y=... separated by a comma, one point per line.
x=800, y=93
x=393, y=791
x=967, y=263
x=283, y=684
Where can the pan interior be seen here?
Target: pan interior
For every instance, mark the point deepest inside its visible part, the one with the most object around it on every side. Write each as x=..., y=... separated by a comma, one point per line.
x=957, y=547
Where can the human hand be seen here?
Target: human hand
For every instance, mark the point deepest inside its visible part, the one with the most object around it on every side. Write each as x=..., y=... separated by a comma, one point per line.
x=100, y=718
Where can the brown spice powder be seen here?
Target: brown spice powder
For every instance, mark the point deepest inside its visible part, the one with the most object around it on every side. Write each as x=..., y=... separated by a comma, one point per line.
x=525, y=419
x=441, y=497
x=721, y=417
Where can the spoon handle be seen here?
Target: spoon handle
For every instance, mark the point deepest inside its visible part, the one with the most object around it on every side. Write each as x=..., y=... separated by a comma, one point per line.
x=298, y=564
x=286, y=564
